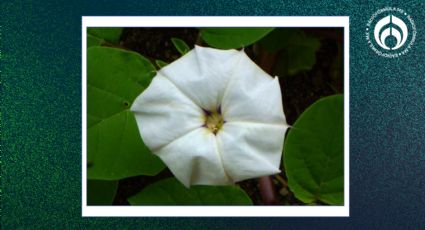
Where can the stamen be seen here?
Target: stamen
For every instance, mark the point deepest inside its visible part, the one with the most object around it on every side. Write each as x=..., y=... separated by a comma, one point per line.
x=213, y=120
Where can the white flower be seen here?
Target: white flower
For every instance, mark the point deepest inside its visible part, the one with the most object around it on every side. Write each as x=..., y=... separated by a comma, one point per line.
x=214, y=117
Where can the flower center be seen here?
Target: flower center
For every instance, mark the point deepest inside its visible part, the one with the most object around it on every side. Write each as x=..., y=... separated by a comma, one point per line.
x=213, y=121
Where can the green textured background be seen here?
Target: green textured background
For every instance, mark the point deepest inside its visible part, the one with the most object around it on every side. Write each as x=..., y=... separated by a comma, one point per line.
x=41, y=116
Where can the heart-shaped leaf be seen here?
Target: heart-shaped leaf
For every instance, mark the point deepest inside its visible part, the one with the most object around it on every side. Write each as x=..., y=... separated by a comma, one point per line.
x=171, y=192
x=314, y=153
x=299, y=50
x=302, y=55
x=115, y=149
x=232, y=38
x=100, y=192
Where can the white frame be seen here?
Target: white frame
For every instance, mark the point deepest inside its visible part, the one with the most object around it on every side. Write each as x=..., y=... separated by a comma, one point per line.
x=216, y=211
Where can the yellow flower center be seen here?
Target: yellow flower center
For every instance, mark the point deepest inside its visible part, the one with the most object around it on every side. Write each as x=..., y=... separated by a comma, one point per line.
x=213, y=121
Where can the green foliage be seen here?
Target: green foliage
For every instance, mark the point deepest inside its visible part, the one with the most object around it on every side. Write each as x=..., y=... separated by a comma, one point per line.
x=298, y=50
x=180, y=45
x=109, y=34
x=93, y=41
x=115, y=148
x=171, y=192
x=278, y=39
x=101, y=192
x=314, y=153
x=233, y=38
x=160, y=63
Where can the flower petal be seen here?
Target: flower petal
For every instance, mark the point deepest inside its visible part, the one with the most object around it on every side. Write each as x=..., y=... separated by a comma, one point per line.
x=163, y=113
x=252, y=95
x=250, y=150
x=194, y=159
x=202, y=74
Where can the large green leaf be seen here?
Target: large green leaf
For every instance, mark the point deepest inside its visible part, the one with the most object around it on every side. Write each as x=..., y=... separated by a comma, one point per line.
x=171, y=192
x=115, y=149
x=299, y=50
x=101, y=192
x=314, y=153
x=110, y=34
x=232, y=38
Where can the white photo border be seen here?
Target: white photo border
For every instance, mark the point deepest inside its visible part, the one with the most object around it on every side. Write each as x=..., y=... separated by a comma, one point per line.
x=216, y=211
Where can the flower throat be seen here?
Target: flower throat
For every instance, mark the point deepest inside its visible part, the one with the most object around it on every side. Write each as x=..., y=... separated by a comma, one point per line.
x=213, y=121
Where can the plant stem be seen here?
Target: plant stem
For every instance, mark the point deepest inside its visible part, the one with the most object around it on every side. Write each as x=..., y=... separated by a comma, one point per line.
x=267, y=191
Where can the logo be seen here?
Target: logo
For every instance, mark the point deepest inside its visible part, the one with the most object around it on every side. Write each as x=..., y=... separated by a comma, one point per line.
x=390, y=32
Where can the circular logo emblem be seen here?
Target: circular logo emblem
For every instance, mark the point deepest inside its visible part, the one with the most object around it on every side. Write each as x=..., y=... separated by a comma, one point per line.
x=391, y=32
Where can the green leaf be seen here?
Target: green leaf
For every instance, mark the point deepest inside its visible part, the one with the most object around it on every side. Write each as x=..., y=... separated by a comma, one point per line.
x=299, y=50
x=314, y=153
x=110, y=34
x=232, y=38
x=302, y=56
x=101, y=192
x=115, y=149
x=171, y=192
x=278, y=39
x=180, y=45
x=93, y=41
x=161, y=63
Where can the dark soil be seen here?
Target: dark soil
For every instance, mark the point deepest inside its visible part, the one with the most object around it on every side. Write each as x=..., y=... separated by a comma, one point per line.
x=155, y=43
x=298, y=92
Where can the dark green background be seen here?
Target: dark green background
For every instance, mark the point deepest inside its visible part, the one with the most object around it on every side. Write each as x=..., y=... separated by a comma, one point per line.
x=41, y=116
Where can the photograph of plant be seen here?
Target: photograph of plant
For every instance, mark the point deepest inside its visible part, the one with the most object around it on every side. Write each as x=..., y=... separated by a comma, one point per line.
x=215, y=116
